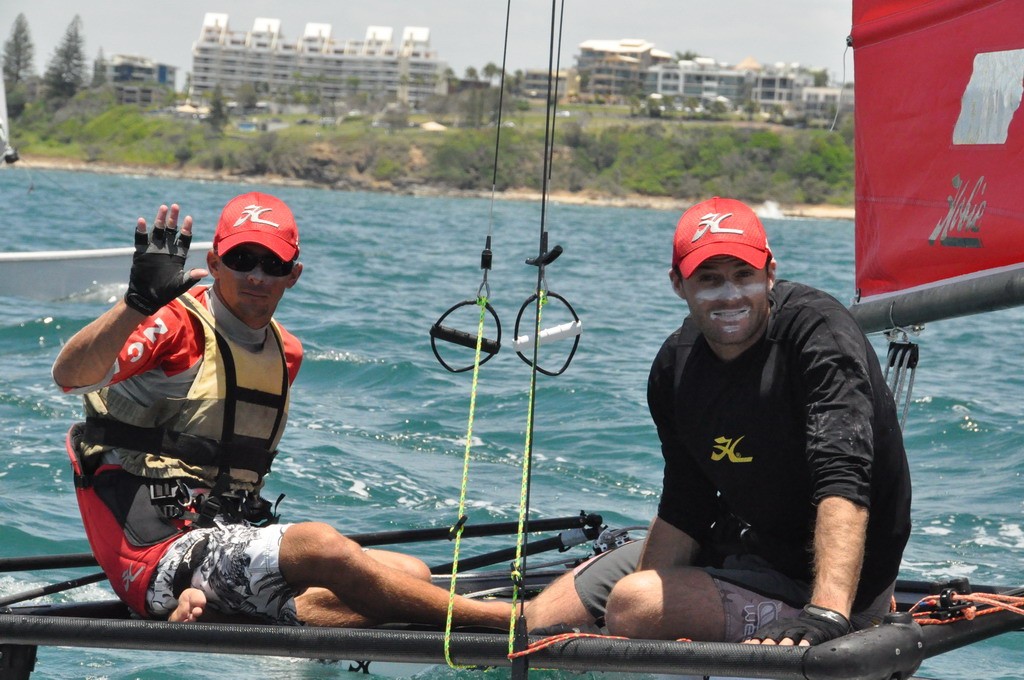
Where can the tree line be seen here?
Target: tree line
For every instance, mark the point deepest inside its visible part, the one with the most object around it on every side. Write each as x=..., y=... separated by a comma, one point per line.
x=66, y=72
x=73, y=116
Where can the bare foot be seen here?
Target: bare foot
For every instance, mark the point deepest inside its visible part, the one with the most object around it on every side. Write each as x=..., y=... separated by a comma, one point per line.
x=190, y=607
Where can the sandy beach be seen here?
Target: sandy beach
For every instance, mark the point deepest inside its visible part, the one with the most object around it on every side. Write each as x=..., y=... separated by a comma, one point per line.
x=768, y=209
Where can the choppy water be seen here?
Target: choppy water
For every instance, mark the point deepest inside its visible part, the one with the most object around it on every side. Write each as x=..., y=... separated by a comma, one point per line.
x=377, y=429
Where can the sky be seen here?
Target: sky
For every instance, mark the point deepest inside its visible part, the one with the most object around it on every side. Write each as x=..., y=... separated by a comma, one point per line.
x=463, y=32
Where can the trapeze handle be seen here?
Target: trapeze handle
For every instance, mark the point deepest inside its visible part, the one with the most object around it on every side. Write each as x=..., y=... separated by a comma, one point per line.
x=463, y=338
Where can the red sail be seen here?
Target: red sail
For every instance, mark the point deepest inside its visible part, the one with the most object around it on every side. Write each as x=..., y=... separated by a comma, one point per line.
x=940, y=141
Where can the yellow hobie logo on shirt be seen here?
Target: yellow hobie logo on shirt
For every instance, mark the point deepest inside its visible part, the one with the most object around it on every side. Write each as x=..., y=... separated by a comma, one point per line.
x=726, y=448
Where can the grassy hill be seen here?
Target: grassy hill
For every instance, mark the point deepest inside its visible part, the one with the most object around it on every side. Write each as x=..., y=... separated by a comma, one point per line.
x=600, y=151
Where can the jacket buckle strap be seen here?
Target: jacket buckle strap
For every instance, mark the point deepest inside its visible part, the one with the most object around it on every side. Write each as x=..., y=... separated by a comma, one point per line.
x=169, y=496
x=209, y=507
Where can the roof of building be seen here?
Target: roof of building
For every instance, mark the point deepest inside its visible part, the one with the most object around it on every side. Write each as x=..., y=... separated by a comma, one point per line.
x=266, y=25
x=749, y=64
x=415, y=34
x=317, y=31
x=217, y=19
x=623, y=45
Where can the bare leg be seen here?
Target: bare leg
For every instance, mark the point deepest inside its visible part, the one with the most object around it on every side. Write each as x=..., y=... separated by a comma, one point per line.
x=191, y=604
x=558, y=603
x=316, y=606
x=667, y=604
x=316, y=555
x=321, y=607
x=413, y=566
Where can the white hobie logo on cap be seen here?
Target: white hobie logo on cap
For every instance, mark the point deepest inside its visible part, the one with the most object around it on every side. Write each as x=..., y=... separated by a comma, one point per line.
x=711, y=222
x=252, y=213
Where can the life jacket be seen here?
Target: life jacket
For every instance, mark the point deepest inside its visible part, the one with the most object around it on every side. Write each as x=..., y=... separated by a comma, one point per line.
x=222, y=438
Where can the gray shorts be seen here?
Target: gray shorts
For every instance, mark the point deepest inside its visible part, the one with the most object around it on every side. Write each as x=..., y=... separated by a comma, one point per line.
x=752, y=592
x=240, y=573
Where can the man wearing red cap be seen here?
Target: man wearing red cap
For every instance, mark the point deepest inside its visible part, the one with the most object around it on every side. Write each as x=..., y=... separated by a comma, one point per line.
x=786, y=499
x=186, y=392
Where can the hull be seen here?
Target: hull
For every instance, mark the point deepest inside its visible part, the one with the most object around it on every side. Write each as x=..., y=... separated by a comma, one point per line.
x=874, y=653
x=895, y=648
x=60, y=274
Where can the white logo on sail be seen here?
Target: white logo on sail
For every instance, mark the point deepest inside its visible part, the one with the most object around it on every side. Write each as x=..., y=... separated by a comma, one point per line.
x=711, y=223
x=253, y=214
x=962, y=223
x=991, y=98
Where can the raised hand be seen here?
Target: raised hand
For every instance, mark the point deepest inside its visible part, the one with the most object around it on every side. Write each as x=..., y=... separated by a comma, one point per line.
x=158, y=275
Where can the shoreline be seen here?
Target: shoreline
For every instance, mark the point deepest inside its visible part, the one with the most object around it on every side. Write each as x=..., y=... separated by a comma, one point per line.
x=769, y=209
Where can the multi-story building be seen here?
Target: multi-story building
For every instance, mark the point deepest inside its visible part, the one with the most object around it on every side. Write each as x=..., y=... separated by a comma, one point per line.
x=409, y=70
x=124, y=68
x=137, y=80
x=701, y=80
x=779, y=86
x=776, y=87
x=616, y=68
x=535, y=83
x=824, y=103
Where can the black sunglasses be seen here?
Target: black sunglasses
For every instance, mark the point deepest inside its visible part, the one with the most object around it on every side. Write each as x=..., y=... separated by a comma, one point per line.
x=245, y=261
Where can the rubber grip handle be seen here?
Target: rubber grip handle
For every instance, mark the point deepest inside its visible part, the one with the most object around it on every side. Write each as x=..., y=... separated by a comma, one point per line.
x=463, y=338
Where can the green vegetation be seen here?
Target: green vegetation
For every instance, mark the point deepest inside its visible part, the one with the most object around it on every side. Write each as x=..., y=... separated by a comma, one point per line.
x=601, y=149
x=598, y=150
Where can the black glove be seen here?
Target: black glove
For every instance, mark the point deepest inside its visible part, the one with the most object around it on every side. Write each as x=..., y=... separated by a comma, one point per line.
x=158, y=270
x=814, y=624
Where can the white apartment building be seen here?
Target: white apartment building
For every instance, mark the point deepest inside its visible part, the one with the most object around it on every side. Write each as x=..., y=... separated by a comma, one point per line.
x=822, y=103
x=702, y=80
x=706, y=81
x=409, y=70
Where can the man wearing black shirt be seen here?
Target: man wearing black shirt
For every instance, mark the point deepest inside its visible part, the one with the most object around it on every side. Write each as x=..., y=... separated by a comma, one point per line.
x=786, y=499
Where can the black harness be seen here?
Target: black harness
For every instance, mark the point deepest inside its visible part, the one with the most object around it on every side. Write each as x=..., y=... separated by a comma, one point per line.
x=177, y=498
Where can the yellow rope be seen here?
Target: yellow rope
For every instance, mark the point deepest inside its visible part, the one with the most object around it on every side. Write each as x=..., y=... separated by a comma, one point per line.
x=482, y=303
x=524, y=486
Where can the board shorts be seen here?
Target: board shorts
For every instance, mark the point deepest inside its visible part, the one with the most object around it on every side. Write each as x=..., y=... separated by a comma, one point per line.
x=753, y=594
x=239, y=573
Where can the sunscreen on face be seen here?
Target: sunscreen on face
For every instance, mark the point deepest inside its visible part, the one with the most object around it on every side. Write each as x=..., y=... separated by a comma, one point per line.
x=728, y=291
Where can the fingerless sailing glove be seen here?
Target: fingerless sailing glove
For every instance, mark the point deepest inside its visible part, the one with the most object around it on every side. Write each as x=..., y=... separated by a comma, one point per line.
x=158, y=275
x=814, y=624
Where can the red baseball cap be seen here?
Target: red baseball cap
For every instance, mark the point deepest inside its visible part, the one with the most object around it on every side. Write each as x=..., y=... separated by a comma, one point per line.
x=258, y=218
x=719, y=226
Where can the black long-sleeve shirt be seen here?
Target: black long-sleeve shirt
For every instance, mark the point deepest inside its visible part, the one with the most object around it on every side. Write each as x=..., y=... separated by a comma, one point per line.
x=803, y=414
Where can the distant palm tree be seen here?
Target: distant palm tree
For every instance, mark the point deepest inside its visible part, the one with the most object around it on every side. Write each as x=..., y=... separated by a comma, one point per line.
x=491, y=71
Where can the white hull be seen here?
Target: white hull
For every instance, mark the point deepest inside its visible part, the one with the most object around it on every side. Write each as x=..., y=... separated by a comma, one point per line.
x=60, y=274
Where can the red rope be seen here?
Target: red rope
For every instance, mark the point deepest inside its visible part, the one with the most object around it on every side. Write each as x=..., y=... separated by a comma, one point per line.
x=544, y=643
x=974, y=605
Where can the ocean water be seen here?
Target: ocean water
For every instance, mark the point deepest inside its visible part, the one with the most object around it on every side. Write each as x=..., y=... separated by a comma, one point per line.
x=377, y=430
